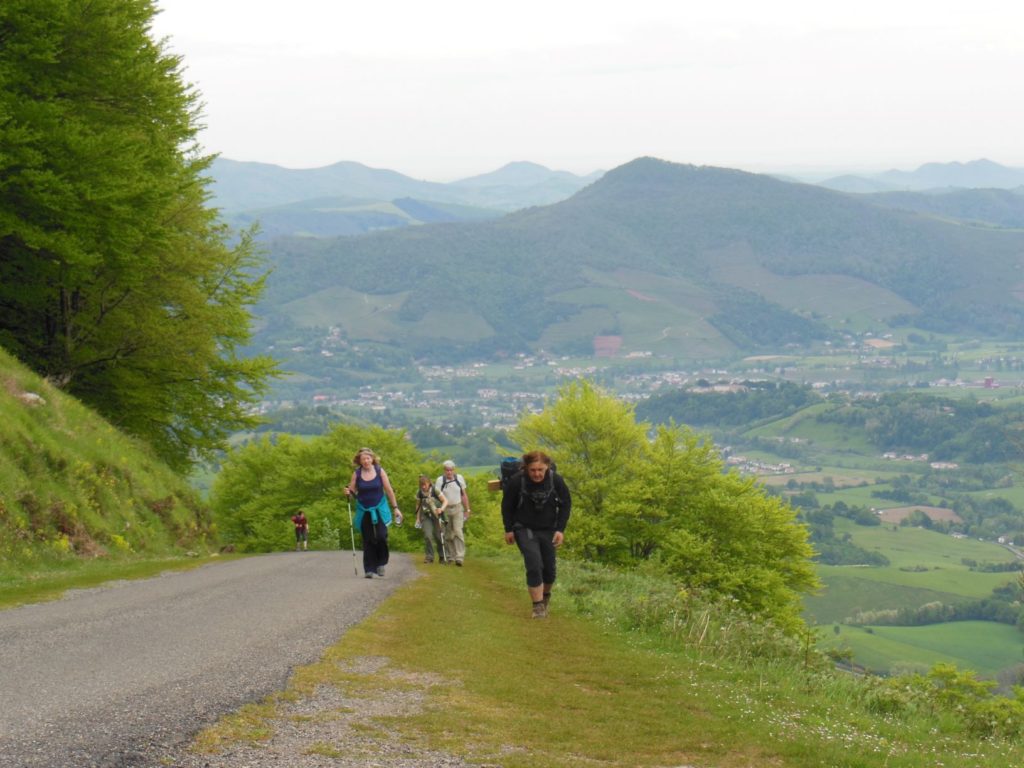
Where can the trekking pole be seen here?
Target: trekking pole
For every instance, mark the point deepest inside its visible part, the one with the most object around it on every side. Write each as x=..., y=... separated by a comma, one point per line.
x=441, y=528
x=352, y=533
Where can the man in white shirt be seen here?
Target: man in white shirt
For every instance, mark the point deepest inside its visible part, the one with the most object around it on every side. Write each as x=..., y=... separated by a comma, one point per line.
x=452, y=486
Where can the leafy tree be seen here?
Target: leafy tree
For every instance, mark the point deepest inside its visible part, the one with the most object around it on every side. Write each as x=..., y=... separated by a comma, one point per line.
x=733, y=539
x=595, y=442
x=667, y=501
x=116, y=280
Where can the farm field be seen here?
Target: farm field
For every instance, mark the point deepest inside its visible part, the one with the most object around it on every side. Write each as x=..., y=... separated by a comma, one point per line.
x=848, y=590
x=925, y=566
x=908, y=546
x=982, y=646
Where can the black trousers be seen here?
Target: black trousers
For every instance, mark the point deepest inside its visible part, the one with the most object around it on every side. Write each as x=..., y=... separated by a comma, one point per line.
x=538, y=555
x=375, y=544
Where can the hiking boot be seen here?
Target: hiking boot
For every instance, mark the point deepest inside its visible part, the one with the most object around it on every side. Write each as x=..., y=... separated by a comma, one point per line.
x=369, y=574
x=458, y=563
x=540, y=611
x=380, y=571
x=427, y=560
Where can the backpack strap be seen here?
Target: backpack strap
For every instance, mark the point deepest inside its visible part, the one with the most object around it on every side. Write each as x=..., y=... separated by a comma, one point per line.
x=445, y=482
x=552, y=491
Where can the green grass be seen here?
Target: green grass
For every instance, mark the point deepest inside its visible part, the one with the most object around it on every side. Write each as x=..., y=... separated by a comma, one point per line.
x=1014, y=495
x=820, y=438
x=857, y=497
x=72, y=486
x=589, y=686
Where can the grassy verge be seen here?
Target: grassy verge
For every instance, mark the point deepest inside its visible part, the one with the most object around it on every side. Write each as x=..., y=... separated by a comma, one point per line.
x=603, y=681
x=20, y=586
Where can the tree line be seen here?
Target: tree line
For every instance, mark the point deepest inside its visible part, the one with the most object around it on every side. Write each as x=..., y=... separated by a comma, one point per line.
x=756, y=400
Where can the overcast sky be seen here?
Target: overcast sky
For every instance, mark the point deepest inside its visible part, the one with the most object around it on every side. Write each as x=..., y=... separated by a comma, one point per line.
x=443, y=89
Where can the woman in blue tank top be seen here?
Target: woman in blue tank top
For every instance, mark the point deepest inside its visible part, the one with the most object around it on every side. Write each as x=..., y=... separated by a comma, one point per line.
x=373, y=491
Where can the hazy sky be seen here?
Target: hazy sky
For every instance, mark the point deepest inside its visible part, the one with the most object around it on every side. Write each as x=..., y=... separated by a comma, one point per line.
x=443, y=89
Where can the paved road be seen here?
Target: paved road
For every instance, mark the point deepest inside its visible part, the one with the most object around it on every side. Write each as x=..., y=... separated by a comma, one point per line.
x=125, y=674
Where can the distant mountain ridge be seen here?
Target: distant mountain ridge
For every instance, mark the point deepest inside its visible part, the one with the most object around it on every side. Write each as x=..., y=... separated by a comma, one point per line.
x=245, y=186
x=694, y=262
x=976, y=174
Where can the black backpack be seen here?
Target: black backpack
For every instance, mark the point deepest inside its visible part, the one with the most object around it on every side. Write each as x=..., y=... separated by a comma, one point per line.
x=511, y=466
x=507, y=469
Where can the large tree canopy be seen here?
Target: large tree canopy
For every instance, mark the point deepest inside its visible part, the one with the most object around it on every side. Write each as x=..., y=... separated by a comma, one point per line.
x=116, y=280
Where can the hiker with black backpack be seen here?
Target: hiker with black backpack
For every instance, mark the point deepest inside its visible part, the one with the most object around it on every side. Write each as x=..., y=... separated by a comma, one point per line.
x=535, y=507
x=452, y=486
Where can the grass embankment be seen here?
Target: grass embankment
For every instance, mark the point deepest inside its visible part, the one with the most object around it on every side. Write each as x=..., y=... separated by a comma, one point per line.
x=604, y=681
x=73, y=487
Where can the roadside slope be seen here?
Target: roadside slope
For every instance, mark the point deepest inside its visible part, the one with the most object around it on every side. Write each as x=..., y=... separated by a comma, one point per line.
x=72, y=487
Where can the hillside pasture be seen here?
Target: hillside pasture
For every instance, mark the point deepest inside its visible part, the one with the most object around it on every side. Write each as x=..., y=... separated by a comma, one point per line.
x=374, y=317
x=982, y=646
x=1014, y=495
x=860, y=496
x=850, y=302
x=820, y=438
x=847, y=591
x=908, y=545
x=660, y=326
x=925, y=566
x=361, y=315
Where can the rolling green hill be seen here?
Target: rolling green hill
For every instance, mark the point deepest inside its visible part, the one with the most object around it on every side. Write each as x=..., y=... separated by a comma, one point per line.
x=690, y=261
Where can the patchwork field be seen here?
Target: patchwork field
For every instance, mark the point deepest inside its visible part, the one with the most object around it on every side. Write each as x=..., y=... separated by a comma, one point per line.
x=925, y=567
